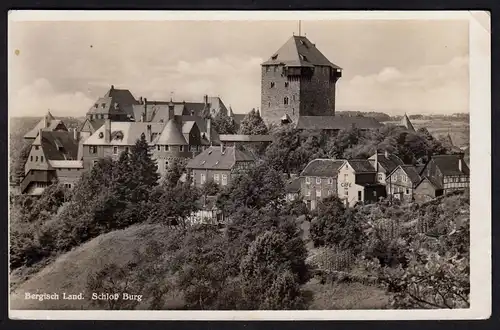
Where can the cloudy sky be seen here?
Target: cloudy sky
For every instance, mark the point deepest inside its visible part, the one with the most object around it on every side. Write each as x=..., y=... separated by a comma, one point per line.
x=392, y=66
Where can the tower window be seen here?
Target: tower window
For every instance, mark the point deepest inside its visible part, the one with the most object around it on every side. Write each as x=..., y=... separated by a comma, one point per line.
x=285, y=100
x=286, y=83
x=269, y=104
x=272, y=84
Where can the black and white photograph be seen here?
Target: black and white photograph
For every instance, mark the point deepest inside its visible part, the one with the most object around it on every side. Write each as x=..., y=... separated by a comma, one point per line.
x=258, y=165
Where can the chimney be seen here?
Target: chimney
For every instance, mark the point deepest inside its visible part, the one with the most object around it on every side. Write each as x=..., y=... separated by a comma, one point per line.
x=386, y=154
x=460, y=164
x=107, y=130
x=149, y=134
x=209, y=130
x=222, y=148
x=171, y=112
x=140, y=100
x=376, y=160
x=76, y=134
x=205, y=99
x=112, y=87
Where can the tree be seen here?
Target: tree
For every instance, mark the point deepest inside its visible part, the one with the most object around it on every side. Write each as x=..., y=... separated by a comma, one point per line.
x=210, y=188
x=269, y=268
x=174, y=172
x=223, y=124
x=20, y=163
x=335, y=225
x=284, y=153
x=253, y=124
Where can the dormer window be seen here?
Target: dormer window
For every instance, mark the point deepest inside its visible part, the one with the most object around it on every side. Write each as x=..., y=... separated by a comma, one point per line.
x=103, y=105
x=274, y=57
x=285, y=100
x=96, y=106
x=272, y=84
x=303, y=57
x=286, y=83
x=101, y=135
x=181, y=148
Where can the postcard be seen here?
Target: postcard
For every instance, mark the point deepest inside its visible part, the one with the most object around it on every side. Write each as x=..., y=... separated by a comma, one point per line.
x=249, y=165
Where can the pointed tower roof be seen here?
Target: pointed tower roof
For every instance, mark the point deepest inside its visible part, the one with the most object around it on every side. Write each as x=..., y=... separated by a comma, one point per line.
x=49, y=116
x=407, y=123
x=299, y=51
x=171, y=135
x=231, y=114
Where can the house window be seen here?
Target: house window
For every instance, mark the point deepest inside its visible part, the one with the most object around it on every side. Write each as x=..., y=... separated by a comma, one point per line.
x=345, y=177
x=115, y=150
x=308, y=193
x=380, y=177
x=403, y=177
x=318, y=193
x=216, y=178
x=126, y=150
x=286, y=83
x=329, y=192
x=158, y=147
x=203, y=178
x=192, y=148
x=41, y=158
x=224, y=179
x=285, y=100
x=374, y=193
x=67, y=185
x=36, y=147
x=407, y=191
x=318, y=180
x=181, y=148
x=31, y=158
x=93, y=149
x=308, y=180
x=36, y=158
x=330, y=180
x=166, y=164
x=346, y=191
x=272, y=84
x=359, y=195
x=94, y=162
x=166, y=148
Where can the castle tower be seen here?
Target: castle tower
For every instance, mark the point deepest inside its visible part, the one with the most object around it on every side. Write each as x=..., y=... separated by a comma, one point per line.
x=298, y=80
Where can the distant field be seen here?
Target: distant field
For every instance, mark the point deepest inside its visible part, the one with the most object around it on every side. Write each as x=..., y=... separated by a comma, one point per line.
x=458, y=130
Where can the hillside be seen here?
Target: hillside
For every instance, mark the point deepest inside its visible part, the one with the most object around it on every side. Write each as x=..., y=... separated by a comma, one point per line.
x=70, y=271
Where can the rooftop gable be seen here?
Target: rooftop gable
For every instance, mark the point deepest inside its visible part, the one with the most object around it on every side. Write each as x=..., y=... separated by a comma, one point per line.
x=220, y=158
x=322, y=167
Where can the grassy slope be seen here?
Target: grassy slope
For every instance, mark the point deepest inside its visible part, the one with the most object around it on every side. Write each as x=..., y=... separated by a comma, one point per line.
x=70, y=271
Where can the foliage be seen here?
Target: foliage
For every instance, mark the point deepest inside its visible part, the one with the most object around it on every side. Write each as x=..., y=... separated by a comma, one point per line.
x=176, y=168
x=210, y=188
x=223, y=124
x=20, y=162
x=253, y=124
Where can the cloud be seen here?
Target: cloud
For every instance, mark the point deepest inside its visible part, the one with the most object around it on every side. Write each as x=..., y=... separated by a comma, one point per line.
x=424, y=89
x=35, y=99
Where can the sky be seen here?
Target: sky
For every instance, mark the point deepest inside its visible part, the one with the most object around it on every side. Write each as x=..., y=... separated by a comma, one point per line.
x=396, y=66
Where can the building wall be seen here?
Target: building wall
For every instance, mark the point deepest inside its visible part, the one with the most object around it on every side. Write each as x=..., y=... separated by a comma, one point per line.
x=209, y=174
x=425, y=191
x=272, y=98
x=102, y=152
x=347, y=189
x=165, y=158
x=317, y=95
x=455, y=182
x=36, y=160
x=69, y=176
x=366, y=178
x=309, y=191
x=399, y=186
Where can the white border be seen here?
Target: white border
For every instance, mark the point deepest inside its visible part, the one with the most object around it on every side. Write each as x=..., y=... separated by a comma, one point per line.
x=480, y=125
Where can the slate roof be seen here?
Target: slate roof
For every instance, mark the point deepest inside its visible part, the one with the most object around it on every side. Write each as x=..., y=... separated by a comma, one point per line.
x=52, y=125
x=116, y=101
x=299, y=51
x=361, y=165
x=51, y=142
x=123, y=133
x=388, y=163
x=448, y=164
x=171, y=135
x=336, y=122
x=213, y=158
x=293, y=185
x=322, y=167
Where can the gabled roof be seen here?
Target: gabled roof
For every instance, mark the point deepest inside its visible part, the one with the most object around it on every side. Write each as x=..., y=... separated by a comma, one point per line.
x=322, y=167
x=123, y=133
x=115, y=101
x=299, y=51
x=389, y=163
x=47, y=123
x=214, y=158
x=411, y=171
x=448, y=164
x=336, y=122
x=405, y=121
x=436, y=184
x=361, y=165
x=58, y=145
